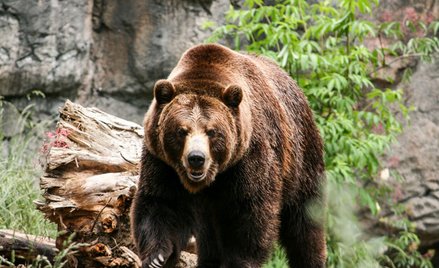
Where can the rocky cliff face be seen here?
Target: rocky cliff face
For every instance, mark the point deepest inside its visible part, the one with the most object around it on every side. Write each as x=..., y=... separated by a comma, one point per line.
x=415, y=157
x=137, y=42
x=44, y=46
x=102, y=53
x=413, y=161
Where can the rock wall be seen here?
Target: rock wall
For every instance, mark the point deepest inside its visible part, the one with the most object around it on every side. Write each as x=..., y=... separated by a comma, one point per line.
x=45, y=46
x=137, y=42
x=413, y=161
x=102, y=53
x=415, y=157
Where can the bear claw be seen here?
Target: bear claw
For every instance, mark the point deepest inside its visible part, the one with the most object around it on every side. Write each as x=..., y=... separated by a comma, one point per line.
x=157, y=262
x=161, y=259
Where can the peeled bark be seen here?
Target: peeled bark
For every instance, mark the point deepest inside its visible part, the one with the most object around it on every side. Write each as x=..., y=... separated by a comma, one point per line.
x=91, y=174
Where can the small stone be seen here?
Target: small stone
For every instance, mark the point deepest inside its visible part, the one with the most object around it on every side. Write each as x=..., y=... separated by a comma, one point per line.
x=385, y=174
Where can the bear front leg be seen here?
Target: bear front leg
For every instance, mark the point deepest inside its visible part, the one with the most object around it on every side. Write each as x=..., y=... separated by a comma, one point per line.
x=161, y=217
x=159, y=232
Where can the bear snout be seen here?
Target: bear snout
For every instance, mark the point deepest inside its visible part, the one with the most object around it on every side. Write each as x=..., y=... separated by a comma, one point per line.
x=196, y=152
x=196, y=159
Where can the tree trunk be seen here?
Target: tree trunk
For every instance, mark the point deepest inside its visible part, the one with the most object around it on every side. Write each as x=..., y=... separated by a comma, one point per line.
x=91, y=172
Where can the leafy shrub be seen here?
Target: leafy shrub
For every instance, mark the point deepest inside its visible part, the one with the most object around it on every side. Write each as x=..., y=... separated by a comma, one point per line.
x=321, y=46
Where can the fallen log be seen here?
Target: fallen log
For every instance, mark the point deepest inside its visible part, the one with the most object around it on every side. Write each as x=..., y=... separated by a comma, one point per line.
x=25, y=247
x=91, y=165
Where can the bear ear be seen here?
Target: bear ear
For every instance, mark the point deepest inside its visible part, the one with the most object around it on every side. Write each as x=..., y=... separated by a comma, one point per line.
x=232, y=96
x=164, y=91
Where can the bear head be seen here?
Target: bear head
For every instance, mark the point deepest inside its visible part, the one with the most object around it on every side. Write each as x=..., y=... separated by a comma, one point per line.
x=198, y=132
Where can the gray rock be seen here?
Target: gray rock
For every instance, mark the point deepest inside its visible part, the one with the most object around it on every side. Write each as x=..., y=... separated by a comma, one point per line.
x=11, y=121
x=135, y=43
x=44, y=45
x=416, y=155
x=187, y=260
x=98, y=53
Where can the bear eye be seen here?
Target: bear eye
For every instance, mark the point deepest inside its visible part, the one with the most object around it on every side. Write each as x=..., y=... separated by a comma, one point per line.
x=181, y=132
x=211, y=133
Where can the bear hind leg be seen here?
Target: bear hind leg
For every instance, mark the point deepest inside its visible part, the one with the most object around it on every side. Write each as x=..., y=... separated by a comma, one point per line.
x=302, y=239
x=209, y=255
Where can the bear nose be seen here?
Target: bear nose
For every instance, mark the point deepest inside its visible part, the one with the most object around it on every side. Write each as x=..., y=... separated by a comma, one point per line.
x=196, y=159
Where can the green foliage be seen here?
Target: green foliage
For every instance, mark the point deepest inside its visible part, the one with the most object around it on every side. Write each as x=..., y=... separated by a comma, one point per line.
x=347, y=245
x=278, y=259
x=18, y=187
x=59, y=261
x=69, y=247
x=403, y=252
x=18, y=175
x=321, y=46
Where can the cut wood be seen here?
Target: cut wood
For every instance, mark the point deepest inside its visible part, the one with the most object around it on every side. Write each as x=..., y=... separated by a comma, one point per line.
x=91, y=169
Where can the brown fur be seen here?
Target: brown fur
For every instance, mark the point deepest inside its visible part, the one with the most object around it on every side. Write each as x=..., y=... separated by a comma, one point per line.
x=267, y=165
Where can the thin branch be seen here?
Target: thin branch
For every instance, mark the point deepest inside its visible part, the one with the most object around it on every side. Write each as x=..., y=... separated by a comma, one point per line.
x=301, y=15
x=397, y=59
x=99, y=214
x=383, y=63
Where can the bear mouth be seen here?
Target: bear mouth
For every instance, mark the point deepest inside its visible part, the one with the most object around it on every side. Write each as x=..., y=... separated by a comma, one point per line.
x=196, y=176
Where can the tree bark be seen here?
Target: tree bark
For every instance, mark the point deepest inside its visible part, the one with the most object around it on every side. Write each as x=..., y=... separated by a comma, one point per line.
x=91, y=168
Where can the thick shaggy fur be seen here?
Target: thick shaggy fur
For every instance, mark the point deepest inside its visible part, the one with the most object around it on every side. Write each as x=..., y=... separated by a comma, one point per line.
x=267, y=165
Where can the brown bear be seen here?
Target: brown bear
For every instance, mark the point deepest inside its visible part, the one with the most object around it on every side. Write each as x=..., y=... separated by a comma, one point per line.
x=232, y=156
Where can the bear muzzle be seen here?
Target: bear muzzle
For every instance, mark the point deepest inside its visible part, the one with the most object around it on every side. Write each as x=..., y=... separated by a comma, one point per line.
x=196, y=158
